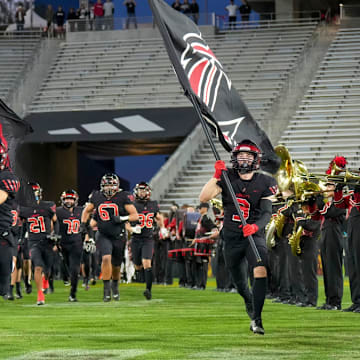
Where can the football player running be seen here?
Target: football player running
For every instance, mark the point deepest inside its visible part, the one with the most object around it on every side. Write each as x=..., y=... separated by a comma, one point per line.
x=113, y=208
x=253, y=192
x=142, y=242
x=41, y=223
x=9, y=186
x=69, y=216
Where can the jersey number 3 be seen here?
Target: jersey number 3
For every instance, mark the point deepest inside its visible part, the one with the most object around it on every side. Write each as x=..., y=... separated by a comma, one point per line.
x=244, y=207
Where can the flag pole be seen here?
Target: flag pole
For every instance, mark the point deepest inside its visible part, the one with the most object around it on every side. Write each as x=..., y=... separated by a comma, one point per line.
x=173, y=58
x=224, y=172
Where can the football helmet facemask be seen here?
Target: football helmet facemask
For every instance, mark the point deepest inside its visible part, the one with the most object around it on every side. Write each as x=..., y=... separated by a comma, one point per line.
x=36, y=188
x=4, y=156
x=244, y=167
x=110, y=185
x=142, y=191
x=69, y=194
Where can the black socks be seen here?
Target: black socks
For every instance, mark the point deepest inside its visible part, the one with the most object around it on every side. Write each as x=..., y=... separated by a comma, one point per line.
x=259, y=293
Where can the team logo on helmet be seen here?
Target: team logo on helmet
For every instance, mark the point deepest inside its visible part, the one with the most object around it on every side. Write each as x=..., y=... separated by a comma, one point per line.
x=110, y=185
x=69, y=194
x=142, y=191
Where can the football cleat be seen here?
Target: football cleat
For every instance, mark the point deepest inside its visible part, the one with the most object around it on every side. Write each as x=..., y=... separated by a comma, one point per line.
x=256, y=327
x=10, y=297
x=147, y=294
x=72, y=298
x=351, y=308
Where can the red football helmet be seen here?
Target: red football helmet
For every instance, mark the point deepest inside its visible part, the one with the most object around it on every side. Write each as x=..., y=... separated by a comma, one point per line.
x=251, y=148
x=144, y=188
x=110, y=185
x=69, y=194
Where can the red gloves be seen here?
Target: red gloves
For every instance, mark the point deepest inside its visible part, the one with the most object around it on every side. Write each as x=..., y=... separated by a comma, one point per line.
x=250, y=229
x=219, y=167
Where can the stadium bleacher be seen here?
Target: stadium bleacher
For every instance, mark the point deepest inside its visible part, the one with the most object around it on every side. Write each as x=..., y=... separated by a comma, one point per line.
x=15, y=53
x=128, y=74
x=327, y=121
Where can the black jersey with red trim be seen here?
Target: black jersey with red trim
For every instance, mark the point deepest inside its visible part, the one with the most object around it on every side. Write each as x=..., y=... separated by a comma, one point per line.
x=147, y=211
x=16, y=225
x=248, y=194
x=11, y=185
x=204, y=225
x=38, y=219
x=107, y=210
x=69, y=224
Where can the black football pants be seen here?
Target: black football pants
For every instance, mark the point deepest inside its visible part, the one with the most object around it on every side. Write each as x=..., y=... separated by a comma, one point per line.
x=72, y=257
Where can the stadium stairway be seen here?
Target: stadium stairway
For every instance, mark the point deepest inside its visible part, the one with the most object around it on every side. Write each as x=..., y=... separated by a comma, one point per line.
x=327, y=122
x=16, y=52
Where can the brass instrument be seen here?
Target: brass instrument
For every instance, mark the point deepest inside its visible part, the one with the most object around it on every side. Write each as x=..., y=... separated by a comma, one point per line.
x=275, y=226
x=294, y=239
x=217, y=204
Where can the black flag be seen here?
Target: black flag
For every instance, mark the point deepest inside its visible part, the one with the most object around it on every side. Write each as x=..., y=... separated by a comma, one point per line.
x=12, y=131
x=204, y=80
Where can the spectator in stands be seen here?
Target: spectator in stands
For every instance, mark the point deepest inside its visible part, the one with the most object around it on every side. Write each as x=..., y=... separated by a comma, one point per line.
x=245, y=10
x=98, y=15
x=232, y=10
x=83, y=15
x=176, y=5
x=72, y=16
x=185, y=8
x=49, y=15
x=194, y=8
x=20, y=18
x=131, y=16
x=109, y=15
x=60, y=21
x=91, y=15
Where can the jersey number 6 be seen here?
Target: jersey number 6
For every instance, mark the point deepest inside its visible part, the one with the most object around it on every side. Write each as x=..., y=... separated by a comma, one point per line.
x=104, y=211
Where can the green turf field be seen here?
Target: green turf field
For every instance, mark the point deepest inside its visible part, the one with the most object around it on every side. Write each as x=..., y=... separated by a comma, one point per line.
x=176, y=324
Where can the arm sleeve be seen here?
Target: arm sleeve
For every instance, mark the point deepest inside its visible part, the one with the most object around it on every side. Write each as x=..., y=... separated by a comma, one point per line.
x=265, y=216
x=309, y=224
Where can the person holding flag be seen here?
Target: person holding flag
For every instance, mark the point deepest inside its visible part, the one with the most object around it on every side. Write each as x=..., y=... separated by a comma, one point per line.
x=221, y=110
x=253, y=192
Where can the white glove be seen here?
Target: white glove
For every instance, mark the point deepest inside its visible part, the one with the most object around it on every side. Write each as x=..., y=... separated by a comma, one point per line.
x=164, y=233
x=136, y=229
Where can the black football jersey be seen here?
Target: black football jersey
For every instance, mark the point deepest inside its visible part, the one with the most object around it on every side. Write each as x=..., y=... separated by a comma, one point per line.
x=16, y=225
x=38, y=219
x=204, y=225
x=107, y=209
x=10, y=184
x=147, y=211
x=69, y=224
x=248, y=194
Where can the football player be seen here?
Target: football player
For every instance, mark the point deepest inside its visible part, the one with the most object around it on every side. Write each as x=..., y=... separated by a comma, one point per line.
x=69, y=216
x=142, y=242
x=9, y=186
x=113, y=208
x=41, y=222
x=16, y=230
x=254, y=192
